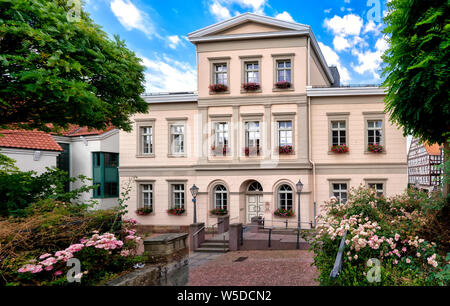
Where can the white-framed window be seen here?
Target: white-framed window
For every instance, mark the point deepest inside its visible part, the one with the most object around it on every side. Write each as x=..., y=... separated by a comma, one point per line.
x=177, y=139
x=251, y=72
x=284, y=70
x=252, y=134
x=285, y=133
x=220, y=197
x=221, y=74
x=285, y=197
x=221, y=134
x=147, y=139
x=340, y=191
x=147, y=196
x=378, y=187
x=338, y=133
x=374, y=132
x=178, y=196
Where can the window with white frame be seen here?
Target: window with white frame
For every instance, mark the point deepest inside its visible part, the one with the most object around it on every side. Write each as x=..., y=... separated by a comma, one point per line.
x=338, y=133
x=285, y=133
x=340, y=191
x=378, y=187
x=284, y=70
x=147, y=139
x=178, y=196
x=147, y=196
x=374, y=132
x=285, y=197
x=220, y=197
x=177, y=139
x=221, y=74
x=221, y=134
x=252, y=134
x=251, y=72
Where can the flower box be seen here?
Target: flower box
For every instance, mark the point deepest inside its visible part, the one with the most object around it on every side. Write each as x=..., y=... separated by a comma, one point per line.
x=144, y=211
x=251, y=151
x=285, y=213
x=339, y=148
x=286, y=149
x=283, y=84
x=220, y=150
x=219, y=212
x=375, y=148
x=251, y=86
x=218, y=87
x=176, y=211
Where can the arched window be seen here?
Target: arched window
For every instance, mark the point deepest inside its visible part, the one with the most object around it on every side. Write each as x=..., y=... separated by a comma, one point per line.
x=255, y=187
x=220, y=197
x=285, y=197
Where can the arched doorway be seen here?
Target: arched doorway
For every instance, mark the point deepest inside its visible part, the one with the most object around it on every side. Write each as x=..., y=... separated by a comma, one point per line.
x=254, y=201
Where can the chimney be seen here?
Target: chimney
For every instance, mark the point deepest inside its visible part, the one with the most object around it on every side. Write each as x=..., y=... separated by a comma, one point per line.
x=337, y=78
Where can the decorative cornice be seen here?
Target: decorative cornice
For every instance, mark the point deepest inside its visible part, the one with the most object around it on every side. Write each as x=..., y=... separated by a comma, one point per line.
x=170, y=97
x=344, y=91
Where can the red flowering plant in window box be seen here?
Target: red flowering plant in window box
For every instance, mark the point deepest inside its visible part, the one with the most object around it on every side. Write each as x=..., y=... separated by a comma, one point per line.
x=339, y=148
x=176, y=211
x=218, y=87
x=285, y=213
x=219, y=212
x=375, y=148
x=251, y=151
x=283, y=84
x=251, y=86
x=143, y=211
x=286, y=149
x=220, y=150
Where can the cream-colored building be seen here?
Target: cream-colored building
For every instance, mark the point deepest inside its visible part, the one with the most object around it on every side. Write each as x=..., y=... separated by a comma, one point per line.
x=278, y=110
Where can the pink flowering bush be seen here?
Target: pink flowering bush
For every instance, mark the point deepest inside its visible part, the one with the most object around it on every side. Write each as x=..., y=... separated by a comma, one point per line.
x=100, y=255
x=388, y=229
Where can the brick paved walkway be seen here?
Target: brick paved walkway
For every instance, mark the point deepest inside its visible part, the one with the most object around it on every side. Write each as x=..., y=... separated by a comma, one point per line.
x=261, y=268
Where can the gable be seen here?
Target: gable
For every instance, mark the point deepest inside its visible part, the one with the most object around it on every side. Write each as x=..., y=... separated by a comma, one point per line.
x=250, y=27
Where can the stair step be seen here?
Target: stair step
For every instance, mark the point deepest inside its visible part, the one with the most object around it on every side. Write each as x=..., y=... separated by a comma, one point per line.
x=217, y=240
x=212, y=250
x=209, y=244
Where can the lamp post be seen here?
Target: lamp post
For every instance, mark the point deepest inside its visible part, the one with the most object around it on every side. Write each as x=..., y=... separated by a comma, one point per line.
x=194, y=192
x=299, y=187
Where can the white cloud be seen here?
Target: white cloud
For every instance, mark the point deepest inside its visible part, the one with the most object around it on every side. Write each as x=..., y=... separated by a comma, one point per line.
x=326, y=11
x=256, y=5
x=370, y=61
x=348, y=25
x=333, y=60
x=285, y=16
x=341, y=43
x=132, y=18
x=168, y=75
x=372, y=27
x=174, y=41
x=219, y=11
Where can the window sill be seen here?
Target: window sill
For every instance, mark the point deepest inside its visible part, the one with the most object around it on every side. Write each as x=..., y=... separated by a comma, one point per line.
x=243, y=91
x=368, y=152
x=219, y=92
x=176, y=155
x=276, y=89
x=145, y=155
x=334, y=153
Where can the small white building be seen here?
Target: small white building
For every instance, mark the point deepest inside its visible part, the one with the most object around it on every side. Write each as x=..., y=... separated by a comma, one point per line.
x=32, y=150
x=94, y=154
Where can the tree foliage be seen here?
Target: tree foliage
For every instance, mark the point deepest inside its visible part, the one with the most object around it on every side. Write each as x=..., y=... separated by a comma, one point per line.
x=417, y=67
x=61, y=70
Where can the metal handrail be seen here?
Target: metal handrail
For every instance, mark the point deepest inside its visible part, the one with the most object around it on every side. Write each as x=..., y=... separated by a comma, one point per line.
x=338, y=262
x=198, y=231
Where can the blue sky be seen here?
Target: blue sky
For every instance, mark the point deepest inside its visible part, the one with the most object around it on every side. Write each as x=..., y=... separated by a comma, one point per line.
x=348, y=31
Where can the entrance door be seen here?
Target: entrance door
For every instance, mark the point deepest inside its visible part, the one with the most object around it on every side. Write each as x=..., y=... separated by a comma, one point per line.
x=254, y=206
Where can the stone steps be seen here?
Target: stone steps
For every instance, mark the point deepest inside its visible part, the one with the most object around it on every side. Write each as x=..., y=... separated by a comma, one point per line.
x=212, y=250
x=214, y=246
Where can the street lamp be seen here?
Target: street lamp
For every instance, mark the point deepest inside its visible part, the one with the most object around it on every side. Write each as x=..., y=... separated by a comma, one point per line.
x=194, y=192
x=299, y=186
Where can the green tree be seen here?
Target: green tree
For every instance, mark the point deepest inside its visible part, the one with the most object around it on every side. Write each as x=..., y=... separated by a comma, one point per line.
x=57, y=66
x=417, y=67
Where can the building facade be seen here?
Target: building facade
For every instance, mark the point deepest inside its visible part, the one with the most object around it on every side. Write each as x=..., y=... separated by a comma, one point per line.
x=268, y=112
x=424, y=161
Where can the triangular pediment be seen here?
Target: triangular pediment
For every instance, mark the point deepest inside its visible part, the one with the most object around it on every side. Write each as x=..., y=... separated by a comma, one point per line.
x=248, y=23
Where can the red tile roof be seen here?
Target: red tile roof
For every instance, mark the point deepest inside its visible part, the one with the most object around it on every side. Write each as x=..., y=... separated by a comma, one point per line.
x=433, y=149
x=35, y=140
x=76, y=130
